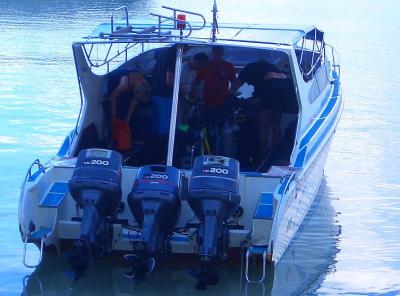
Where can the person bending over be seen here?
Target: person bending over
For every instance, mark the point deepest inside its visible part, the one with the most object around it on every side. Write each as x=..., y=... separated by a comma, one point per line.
x=264, y=77
x=127, y=89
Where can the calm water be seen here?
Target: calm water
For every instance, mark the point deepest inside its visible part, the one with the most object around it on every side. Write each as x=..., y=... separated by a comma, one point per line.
x=350, y=241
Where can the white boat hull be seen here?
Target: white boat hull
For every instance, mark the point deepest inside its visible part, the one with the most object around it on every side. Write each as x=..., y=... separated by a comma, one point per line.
x=298, y=200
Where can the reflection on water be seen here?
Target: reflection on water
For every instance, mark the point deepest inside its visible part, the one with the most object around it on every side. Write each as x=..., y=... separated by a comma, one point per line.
x=312, y=254
x=301, y=270
x=106, y=277
x=39, y=103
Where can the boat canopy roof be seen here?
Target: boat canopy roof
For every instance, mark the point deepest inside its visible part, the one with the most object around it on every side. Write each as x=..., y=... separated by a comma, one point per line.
x=251, y=33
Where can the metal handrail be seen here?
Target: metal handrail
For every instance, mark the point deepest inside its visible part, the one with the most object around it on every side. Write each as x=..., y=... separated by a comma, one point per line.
x=160, y=17
x=126, y=17
x=244, y=41
x=106, y=61
x=24, y=252
x=26, y=241
x=264, y=256
x=319, y=58
x=40, y=168
x=162, y=38
x=175, y=10
x=335, y=56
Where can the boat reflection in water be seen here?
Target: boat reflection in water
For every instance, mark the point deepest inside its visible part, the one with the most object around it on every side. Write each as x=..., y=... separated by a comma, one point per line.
x=311, y=255
x=309, y=258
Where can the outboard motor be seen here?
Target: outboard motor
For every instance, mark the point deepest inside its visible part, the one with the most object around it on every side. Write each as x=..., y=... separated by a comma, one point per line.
x=96, y=187
x=213, y=195
x=155, y=204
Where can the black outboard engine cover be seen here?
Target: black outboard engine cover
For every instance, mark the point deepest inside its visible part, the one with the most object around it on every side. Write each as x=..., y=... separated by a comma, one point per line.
x=155, y=204
x=97, y=180
x=213, y=195
x=96, y=187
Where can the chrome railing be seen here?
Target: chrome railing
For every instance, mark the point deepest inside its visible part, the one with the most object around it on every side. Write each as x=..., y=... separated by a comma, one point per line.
x=163, y=18
x=125, y=9
x=335, y=58
x=29, y=174
x=26, y=241
x=127, y=32
x=175, y=10
x=128, y=38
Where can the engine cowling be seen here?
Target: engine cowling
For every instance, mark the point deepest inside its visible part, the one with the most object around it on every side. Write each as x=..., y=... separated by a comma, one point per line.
x=96, y=187
x=213, y=195
x=155, y=204
x=97, y=180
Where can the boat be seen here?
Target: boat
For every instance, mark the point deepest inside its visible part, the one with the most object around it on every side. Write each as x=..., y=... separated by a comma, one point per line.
x=202, y=189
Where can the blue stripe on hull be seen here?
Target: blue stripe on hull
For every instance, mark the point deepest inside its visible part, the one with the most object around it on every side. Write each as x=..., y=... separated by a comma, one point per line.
x=321, y=137
x=311, y=132
x=303, y=155
x=300, y=158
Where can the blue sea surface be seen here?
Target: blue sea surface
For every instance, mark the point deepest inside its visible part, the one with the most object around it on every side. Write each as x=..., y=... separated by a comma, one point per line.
x=349, y=244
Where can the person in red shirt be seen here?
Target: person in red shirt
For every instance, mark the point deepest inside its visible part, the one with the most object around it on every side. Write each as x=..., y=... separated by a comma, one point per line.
x=217, y=75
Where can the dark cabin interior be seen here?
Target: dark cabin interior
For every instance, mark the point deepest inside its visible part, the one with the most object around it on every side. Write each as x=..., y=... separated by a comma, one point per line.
x=192, y=137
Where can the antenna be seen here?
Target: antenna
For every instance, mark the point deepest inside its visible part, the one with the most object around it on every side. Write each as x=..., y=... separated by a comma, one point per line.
x=214, y=22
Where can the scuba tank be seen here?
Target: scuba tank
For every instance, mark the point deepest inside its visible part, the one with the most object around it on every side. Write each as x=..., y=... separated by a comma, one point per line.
x=229, y=139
